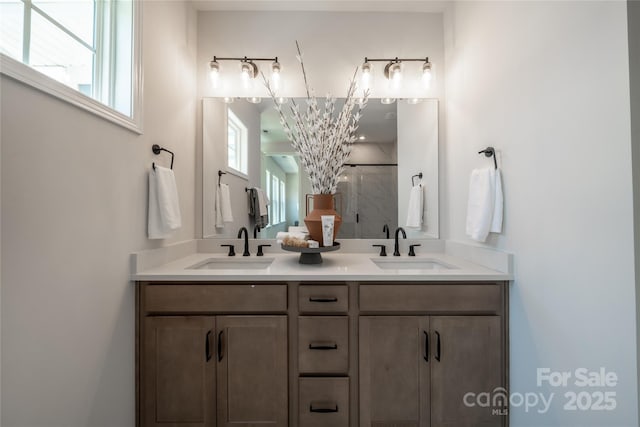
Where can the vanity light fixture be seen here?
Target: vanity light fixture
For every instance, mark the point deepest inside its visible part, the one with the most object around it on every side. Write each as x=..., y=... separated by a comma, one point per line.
x=229, y=99
x=387, y=101
x=393, y=70
x=248, y=70
x=282, y=100
x=255, y=100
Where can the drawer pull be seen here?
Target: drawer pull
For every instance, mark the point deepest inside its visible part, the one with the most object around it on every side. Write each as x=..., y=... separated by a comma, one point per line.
x=323, y=299
x=220, y=350
x=323, y=407
x=438, y=346
x=426, y=346
x=323, y=346
x=207, y=348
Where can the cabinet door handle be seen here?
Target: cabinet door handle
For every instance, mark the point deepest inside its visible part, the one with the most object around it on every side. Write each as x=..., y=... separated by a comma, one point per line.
x=220, y=345
x=323, y=299
x=323, y=407
x=426, y=346
x=207, y=347
x=323, y=346
x=438, y=346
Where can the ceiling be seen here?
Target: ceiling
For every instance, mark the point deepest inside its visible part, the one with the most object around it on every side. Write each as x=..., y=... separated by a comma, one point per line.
x=325, y=6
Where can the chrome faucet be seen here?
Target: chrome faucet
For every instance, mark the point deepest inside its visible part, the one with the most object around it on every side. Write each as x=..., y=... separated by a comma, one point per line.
x=246, y=240
x=396, y=249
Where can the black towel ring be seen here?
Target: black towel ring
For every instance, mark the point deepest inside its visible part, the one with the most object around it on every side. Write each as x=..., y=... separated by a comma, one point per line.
x=419, y=176
x=490, y=152
x=156, y=150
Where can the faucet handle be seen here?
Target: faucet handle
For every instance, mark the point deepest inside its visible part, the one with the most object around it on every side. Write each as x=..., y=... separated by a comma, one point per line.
x=411, y=251
x=383, y=249
x=260, y=249
x=232, y=251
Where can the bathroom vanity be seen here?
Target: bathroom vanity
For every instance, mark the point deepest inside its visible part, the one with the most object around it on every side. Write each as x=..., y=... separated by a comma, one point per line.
x=352, y=342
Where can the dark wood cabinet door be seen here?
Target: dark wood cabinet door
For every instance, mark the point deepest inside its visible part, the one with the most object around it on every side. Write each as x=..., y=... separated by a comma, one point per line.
x=178, y=376
x=252, y=371
x=394, y=372
x=471, y=361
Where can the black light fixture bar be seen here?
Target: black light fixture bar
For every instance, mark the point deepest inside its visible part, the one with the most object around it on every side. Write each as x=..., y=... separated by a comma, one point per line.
x=245, y=59
x=396, y=59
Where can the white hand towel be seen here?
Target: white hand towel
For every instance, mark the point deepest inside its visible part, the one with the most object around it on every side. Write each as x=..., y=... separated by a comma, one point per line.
x=416, y=207
x=498, y=206
x=263, y=202
x=164, y=206
x=484, y=207
x=223, y=205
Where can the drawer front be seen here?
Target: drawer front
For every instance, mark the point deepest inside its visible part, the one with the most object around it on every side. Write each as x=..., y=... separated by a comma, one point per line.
x=323, y=298
x=446, y=298
x=230, y=298
x=323, y=402
x=323, y=345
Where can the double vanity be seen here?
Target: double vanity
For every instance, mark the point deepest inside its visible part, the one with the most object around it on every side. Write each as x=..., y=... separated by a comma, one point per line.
x=359, y=340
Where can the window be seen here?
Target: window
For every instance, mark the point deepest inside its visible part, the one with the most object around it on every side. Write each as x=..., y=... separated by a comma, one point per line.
x=237, y=152
x=87, y=49
x=275, y=188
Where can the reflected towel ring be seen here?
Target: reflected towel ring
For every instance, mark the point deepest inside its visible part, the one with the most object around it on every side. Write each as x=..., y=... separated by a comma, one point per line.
x=220, y=173
x=419, y=176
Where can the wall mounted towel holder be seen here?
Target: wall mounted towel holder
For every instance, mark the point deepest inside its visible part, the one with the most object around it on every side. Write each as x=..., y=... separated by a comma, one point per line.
x=419, y=176
x=220, y=173
x=490, y=152
x=156, y=150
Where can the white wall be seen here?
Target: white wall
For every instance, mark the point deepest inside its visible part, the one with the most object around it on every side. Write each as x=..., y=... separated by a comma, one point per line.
x=74, y=191
x=547, y=84
x=333, y=45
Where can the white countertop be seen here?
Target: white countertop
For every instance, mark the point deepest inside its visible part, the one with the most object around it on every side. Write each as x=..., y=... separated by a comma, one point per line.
x=339, y=265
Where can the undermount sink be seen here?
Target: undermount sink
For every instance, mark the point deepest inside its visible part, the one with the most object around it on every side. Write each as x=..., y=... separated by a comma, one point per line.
x=411, y=264
x=232, y=264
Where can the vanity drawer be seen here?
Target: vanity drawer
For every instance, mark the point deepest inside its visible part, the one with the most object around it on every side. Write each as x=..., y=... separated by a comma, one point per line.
x=208, y=298
x=323, y=402
x=446, y=298
x=323, y=298
x=323, y=345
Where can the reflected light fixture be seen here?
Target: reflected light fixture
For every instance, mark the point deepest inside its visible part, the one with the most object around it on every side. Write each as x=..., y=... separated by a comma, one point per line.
x=366, y=76
x=255, y=100
x=387, y=101
x=248, y=70
x=229, y=99
x=393, y=70
x=214, y=72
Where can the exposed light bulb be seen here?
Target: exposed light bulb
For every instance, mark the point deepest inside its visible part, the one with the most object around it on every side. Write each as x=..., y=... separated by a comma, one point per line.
x=366, y=75
x=361, y=137
x=427, y=75
x=396, y=76
x=248, y=71
x=214, y=73
x=275, y=75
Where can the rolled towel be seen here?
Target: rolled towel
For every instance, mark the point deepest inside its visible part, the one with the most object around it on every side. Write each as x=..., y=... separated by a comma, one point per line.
x=164, y=206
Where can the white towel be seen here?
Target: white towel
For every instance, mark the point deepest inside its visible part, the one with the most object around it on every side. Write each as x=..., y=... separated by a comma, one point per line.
x=416, y=207
x=263, y=202
x=281, y=235
x=485, y=204
x=164, y=206
x=223, y=205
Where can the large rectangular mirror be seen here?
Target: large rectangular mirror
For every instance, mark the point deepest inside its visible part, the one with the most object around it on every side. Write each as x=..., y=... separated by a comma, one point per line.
x=396, y=141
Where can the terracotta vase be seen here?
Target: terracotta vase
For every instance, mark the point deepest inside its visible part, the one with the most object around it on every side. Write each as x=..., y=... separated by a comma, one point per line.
x=323, y=204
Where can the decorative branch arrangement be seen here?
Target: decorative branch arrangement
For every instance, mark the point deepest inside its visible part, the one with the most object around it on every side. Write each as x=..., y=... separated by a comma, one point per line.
x=322, y=139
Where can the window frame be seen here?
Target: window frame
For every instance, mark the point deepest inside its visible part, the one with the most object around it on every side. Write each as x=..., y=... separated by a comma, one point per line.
x=23, y=73
x=242, y=152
